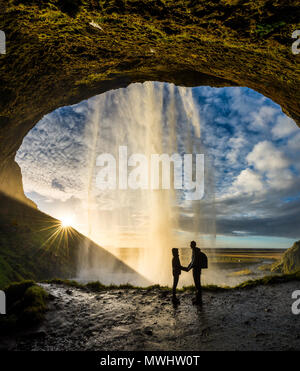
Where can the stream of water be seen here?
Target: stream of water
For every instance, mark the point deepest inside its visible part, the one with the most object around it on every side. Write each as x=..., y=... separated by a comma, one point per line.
x=149, y=118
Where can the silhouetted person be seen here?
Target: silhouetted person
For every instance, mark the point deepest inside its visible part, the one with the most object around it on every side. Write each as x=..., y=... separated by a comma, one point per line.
x=176, y=266
x=199, y=261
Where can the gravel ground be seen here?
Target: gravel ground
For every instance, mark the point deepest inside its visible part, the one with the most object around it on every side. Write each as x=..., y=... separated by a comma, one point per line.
x=250, y=319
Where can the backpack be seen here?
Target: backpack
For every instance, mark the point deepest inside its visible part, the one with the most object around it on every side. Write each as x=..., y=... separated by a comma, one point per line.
x=203, y=260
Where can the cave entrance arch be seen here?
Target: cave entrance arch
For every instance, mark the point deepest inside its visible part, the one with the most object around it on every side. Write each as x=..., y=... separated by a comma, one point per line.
x=264, y=113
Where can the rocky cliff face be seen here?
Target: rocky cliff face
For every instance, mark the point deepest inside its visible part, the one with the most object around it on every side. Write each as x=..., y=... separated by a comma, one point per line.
x=290, y=262
x=62, y=51
x=11, y=182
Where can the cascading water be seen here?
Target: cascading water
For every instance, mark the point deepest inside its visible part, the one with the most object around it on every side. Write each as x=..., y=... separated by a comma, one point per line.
x=149, y=118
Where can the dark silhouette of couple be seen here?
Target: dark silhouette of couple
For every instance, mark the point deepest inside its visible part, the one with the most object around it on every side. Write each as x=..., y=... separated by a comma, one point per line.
x=198, y=262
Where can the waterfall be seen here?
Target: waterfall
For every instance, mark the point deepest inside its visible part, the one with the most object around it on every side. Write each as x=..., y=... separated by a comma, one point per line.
x=149, y=118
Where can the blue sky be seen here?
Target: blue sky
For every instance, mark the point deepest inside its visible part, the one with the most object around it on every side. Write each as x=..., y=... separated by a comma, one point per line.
x=253, y=146
x=256, y=151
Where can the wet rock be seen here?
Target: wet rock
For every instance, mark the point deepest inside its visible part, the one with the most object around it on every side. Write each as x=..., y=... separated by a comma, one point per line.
x=137, y=332
x=148, y=331
x=205, y=331
x=69, y=292
x=57, y=306
x=259, y=334
x=291, y=349
x=51, y=297
x=164, y=294
x=7, y=344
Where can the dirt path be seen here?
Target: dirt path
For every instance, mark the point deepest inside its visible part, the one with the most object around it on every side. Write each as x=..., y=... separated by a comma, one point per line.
x=253, y=319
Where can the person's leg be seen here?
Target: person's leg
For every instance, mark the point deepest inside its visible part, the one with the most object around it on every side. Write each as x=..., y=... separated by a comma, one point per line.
x=199, y=289
x=197, y=281
x=175, y=282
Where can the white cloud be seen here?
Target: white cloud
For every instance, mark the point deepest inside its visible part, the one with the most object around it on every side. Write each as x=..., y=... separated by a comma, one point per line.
x=266, y=157
x=280, y=179
x=236, y=144
x=284, y=126
x=270, y=171
x=294, y=143
x=260, y=119
x=248, y=181
x=271, y=163
x=243, y=103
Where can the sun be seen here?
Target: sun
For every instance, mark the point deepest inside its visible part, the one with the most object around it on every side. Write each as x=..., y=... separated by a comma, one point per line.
x=66, y=221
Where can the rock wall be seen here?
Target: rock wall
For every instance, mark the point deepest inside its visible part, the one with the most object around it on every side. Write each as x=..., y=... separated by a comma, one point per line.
x=290, y=262
x=60, y=52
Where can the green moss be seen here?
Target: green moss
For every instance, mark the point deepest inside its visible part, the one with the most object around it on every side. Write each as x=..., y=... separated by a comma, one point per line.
x=35, y=305
x=267, y=280
x=265, y=29
x=16, y=290
x=26, y=306
x=95, y=286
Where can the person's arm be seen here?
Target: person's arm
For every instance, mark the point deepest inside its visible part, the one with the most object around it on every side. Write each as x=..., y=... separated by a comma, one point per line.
x=190, y=266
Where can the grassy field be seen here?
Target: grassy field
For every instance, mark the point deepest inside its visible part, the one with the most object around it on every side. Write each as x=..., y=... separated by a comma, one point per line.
x=244, y=255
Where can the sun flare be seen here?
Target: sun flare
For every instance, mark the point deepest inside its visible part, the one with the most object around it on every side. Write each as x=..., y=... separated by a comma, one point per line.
x=66, y=221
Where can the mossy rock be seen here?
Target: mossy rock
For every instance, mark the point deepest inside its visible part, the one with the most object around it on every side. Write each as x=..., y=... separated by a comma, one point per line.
x=290, y=261
x=26, y=306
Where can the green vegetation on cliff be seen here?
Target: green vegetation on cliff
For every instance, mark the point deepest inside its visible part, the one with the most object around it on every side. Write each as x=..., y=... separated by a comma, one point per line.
x=34, y=246
x=290, y=261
